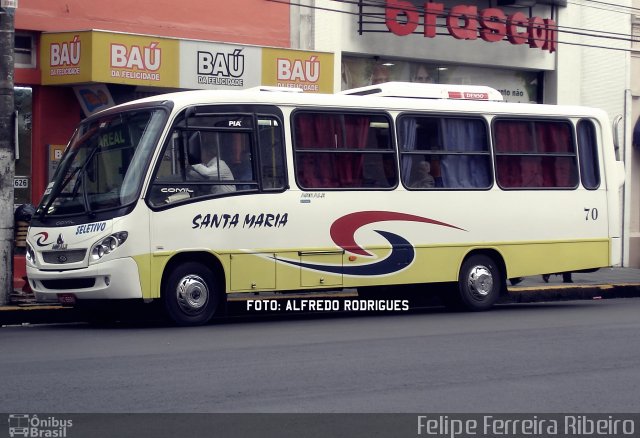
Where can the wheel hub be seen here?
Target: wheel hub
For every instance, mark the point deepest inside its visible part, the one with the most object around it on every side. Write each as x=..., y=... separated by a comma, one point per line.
x=480, y=282
x=192, y=294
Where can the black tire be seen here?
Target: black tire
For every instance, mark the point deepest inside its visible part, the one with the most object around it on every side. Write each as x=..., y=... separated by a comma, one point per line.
x=190, y=294
x=480, y=283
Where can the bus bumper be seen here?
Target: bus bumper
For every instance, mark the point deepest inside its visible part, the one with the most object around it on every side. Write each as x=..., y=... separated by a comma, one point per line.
x=114, y=279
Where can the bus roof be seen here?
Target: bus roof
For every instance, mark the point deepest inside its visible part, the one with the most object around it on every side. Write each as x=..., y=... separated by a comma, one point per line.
x=371, y=101
x=428, y=91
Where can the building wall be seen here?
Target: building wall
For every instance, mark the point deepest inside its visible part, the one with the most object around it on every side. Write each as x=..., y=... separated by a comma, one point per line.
x=336, y=29
x=50, y=127
x=595, y=72
x=633, y=164
x=257, y=22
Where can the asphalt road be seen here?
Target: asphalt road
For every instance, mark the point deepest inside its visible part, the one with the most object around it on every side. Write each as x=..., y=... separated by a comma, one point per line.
x=576, y=356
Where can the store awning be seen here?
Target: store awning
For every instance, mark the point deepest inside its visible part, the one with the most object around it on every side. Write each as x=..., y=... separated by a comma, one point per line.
x=93, y=56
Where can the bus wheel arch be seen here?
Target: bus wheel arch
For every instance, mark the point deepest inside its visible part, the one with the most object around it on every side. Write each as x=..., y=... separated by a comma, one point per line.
x=193, y=288
x=481, y=280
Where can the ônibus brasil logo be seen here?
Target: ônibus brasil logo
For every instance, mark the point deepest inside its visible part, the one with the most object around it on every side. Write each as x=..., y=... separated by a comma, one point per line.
x=32, y=426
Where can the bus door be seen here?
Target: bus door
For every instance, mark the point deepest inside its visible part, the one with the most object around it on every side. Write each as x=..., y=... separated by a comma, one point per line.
x=217, y=176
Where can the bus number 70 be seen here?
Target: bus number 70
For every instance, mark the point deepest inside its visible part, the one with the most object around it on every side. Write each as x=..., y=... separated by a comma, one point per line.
x=591, y=213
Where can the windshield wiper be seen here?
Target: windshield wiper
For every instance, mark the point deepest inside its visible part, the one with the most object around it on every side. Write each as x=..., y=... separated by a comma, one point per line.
x=54, y=194
x=81, y=181
x=80, y=171
x=85, y=197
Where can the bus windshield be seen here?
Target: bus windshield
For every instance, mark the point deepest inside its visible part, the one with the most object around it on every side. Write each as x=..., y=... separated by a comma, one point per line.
x=104, y=165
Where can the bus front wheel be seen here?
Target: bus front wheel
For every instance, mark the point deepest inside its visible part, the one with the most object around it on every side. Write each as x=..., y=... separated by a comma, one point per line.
x=190, y=294
x=479, y=283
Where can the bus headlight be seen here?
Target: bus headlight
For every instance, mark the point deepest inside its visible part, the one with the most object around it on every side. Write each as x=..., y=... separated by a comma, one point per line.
x=108, y=245
x=31, y=255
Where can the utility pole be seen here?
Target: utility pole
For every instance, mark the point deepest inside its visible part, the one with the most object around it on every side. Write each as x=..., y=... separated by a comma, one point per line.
x=7, y=146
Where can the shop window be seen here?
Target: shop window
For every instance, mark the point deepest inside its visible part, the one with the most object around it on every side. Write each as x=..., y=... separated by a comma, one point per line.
x=23, y=98
x=343, y=151
x=24, y=52
x=444, y=152
x=514, y=85
x=535, y=154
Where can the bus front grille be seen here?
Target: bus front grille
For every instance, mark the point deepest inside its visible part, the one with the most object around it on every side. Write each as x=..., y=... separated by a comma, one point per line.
x=62, y=257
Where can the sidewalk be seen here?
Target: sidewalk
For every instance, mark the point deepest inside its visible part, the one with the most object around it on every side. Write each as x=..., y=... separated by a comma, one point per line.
x=606, y=283
x=604, y=276
x=602, y=284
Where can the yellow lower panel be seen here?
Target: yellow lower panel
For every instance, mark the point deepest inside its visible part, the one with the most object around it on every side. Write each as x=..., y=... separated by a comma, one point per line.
x=429, y=264
x=441, y=264
x=253, y=272
x=545, y=258
x=151, y=268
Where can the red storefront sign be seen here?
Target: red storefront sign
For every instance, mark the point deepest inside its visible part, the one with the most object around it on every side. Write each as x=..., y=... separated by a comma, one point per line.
x=466, y=22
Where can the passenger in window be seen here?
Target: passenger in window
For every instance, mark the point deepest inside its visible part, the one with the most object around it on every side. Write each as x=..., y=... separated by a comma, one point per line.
x=424, y=179
x=380, y=74
x=240, y=157
x=215, y=169
x=420, y=73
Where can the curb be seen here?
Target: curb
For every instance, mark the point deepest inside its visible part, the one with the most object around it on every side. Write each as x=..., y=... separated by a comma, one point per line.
x=37, y=314
x=574, y=292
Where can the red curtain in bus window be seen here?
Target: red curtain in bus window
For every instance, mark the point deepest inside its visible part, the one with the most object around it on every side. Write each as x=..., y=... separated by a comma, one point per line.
x=350, y=165
x=555, y=138
x=317, y=131
x=514, y=137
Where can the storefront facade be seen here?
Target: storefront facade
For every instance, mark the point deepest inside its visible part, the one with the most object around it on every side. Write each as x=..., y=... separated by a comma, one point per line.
x=64, y=72
x=446, y=42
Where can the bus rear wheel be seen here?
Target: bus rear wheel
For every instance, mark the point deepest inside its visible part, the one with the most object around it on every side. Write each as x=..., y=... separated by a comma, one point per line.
x=479, y=283
x=190, y=294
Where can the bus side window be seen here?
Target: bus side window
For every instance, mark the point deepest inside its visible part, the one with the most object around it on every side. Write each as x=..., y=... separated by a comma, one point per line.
x=235, y=151
x=272, y=160
x=169, y=170
x=343, y=150
x=168, y=184
x=535, y=154
x=444, y=152
x=588, y=151
x=211, y=166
